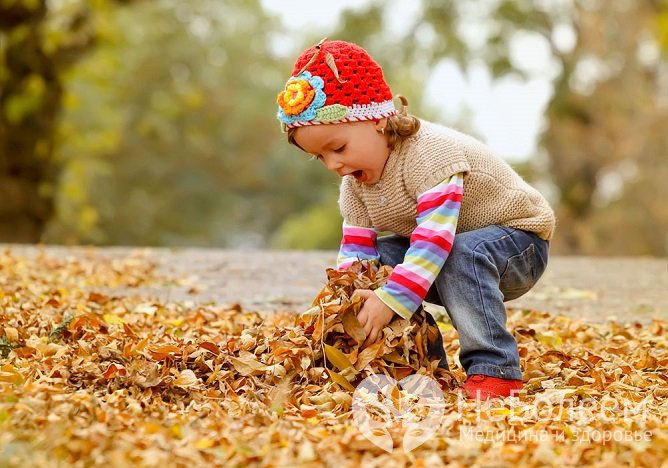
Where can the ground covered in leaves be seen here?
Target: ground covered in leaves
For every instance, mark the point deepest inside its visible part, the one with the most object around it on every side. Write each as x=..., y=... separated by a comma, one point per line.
x=88, y=377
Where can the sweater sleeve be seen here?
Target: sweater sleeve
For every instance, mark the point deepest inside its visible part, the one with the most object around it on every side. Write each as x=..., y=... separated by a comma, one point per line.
x=357, y=243
x=430, y=245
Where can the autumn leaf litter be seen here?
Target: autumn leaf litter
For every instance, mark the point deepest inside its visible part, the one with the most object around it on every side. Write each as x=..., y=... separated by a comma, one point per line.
x=89, y=377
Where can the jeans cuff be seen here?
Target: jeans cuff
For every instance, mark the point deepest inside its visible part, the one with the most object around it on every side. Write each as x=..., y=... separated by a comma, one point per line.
x=491, y=370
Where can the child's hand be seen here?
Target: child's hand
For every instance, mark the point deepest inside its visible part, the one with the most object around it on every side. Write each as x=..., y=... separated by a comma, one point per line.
x=373, y=316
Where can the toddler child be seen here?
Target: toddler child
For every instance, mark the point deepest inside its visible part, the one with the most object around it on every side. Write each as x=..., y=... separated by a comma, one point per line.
x=467, y=232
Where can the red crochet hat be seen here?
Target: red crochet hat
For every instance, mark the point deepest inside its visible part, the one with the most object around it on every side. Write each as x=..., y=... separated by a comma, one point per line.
x=334, y=82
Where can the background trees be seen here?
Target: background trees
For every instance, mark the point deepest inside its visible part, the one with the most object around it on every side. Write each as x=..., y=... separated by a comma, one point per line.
x=153, y=122
x=36, y=46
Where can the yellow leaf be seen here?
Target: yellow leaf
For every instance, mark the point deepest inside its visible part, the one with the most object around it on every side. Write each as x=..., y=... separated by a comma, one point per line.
x=7, y=374
x=152, y=428
x=204, y=444
x=549, y=338
x=337, y=358
x=113, y=319
x=500, y=411
x=341, y=380
x=176, y=322
x=445, y=327
x=568, y=432
x=176, y=431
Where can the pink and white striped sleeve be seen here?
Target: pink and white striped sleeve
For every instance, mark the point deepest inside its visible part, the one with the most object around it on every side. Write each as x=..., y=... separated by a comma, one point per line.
x=357, y=243
x=430, y=244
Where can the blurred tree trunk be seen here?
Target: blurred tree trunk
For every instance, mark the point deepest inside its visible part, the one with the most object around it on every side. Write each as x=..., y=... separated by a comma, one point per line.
x=30, y=94
x=34, y=51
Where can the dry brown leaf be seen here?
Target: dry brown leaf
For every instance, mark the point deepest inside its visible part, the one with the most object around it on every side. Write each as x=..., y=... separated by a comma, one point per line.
x=352, y=326
x=248, y=365
x=186, y=379
x=341, y=380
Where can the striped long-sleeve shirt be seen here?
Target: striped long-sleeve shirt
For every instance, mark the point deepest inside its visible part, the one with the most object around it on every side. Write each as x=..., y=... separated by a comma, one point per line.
x=430, y=245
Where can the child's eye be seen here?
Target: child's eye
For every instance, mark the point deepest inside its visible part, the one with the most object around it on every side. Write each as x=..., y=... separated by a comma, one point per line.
x=340, y=149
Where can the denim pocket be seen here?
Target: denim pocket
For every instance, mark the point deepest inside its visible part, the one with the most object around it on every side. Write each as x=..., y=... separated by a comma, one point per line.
x=520, y=273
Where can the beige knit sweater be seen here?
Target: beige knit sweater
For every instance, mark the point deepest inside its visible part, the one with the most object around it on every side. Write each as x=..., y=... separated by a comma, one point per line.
x=493, y=192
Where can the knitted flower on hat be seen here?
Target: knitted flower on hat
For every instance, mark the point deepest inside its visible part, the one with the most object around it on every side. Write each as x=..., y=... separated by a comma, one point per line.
x=334, y=82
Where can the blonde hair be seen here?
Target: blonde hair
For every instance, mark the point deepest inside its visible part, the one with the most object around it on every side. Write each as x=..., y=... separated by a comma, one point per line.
x=399, y=126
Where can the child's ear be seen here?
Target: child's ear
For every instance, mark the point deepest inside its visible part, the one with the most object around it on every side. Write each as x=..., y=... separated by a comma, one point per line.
x=381, y=124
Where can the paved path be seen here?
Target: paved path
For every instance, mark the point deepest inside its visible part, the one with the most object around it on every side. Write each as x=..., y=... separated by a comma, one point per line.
x=596, y=289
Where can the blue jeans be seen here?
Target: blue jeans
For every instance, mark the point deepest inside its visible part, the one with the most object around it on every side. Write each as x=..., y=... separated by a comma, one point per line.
x=485, y=268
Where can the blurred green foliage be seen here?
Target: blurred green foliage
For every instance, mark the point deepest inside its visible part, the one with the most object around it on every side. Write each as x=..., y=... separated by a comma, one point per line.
x=182, y=148
x=318, y=227
x=152, y=122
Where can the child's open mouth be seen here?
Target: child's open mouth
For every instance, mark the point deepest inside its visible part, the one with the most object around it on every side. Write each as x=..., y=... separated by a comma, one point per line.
x=360, y=175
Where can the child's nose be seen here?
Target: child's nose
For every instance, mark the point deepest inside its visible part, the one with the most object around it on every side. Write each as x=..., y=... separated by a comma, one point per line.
x=333, y=164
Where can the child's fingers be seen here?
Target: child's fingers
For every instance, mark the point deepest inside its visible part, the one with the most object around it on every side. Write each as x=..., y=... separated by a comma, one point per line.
x=371, y=338
x=363, y=293
x=363, y=318
x=367, y=342
x=368, y=327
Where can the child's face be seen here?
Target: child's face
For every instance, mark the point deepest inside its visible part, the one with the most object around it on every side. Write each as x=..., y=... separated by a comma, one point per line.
x=356, y=148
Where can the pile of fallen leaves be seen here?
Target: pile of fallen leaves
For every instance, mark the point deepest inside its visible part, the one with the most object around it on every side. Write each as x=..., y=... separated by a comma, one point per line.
x=338, y=335
x=91, y=377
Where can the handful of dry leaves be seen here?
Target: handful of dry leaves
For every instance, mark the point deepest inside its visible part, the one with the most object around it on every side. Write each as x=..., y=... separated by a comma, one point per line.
x=337, y=334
